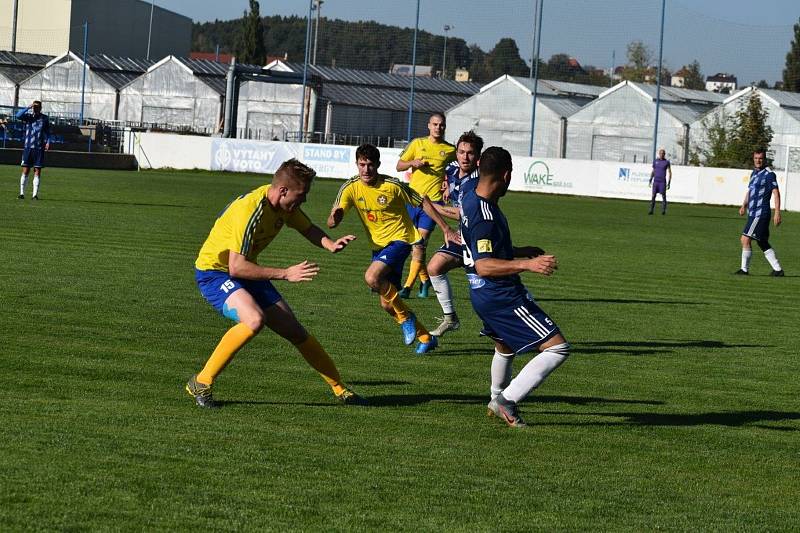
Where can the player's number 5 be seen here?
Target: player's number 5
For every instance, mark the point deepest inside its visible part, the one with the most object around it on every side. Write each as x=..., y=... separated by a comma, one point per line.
x=468, y=261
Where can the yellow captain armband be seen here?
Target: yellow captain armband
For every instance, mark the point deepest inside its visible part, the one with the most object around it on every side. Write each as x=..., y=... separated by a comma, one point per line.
x=484, y=246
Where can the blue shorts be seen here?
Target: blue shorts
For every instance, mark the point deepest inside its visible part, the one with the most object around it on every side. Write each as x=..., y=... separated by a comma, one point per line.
x=216, y=286
x=757, y=228
x=32, y=157
x=522, y=326
x=394, y=255
x=453, y=249
x=420, y=218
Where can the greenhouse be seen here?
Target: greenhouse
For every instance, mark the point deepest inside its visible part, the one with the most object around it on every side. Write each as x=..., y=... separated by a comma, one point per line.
x=619, y=124
x=16, y=67
x=346, y=105
x=501, y=114
x=65, y=87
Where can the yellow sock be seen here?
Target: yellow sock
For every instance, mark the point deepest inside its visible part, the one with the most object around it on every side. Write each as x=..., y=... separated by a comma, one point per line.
x=316, y=356
x=231, y=342
x=423, y=273
x=400, y=308
x=413, y=272
x=423, y=335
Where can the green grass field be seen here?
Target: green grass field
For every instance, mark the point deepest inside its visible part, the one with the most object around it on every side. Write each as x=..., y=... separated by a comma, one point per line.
x=676, y=409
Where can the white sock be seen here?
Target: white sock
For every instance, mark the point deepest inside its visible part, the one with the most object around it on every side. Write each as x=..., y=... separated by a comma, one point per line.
x=773, y=259
x=35, y=185
x=502, y=365
x=746, y=255
x=537, y=369
x=441, y=285
x=22, y=180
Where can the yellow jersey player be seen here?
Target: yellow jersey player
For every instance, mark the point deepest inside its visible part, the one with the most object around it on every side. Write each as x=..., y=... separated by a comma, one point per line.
x=427, y=157
x=381, y=205
x=235, y=285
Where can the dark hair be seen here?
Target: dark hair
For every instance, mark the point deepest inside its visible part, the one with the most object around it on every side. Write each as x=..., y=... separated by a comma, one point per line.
x=760, y=150
x=369, y=152
x=495, y=161
x=294, y=170
x=437, y=114
x=37, y=102
x=470, y=137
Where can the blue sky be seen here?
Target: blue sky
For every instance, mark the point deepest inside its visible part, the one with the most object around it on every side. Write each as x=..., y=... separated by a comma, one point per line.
x=749, y=39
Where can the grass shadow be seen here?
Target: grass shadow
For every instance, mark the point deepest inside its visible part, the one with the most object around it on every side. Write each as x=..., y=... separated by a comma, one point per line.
x=651, y=347
x=618, y=301
x=728, y=419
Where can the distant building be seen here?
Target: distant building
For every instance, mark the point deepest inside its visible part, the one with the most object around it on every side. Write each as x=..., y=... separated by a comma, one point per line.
x=721, y=83
x=679, y=78
x=421, y=71
x=212, y=56
x=118, y=28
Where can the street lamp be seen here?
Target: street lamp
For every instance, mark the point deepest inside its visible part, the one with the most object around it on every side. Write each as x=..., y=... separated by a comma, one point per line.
x=447, y=28
x=318, y=7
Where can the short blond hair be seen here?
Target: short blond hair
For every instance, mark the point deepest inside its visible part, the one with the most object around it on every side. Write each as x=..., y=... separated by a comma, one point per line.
x=294, y=171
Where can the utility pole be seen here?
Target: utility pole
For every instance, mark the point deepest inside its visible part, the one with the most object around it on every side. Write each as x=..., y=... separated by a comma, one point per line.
x=447, y=28
x=318, y=7
x=14, y=27
x=150, y=29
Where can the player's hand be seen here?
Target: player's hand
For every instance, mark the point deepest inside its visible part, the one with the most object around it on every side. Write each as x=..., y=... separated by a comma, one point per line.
x=445, y=192
x=416, y=164
x=452, y=236
x=741, y=211
x=335, y=217
x=340, y=243
x=777, y=218
x=304, y=271
x=47, y=147
x=543, y=264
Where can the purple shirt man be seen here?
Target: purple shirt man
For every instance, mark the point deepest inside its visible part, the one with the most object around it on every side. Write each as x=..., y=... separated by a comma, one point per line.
x=660, y=179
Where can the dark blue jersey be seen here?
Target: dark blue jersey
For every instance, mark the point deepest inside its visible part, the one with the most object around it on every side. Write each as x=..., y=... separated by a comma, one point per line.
x=485, y=232
x=457, y=185
x=37, y=129
x=762, y=183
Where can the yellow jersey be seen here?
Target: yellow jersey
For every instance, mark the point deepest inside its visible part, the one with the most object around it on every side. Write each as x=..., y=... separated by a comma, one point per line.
x=381, y=208
x=427, y=181
x=246, y=226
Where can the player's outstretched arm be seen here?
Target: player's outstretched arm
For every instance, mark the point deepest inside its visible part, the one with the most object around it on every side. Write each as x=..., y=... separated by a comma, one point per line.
x=335, y=218
x=319, y=238
x=492, y=267
x=240, y=267
x=447, y=211
x=449, y=234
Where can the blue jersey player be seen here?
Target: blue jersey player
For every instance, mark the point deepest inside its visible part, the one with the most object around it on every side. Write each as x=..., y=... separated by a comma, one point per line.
x=461, y=176
x=509, y=314
x=37, y=140
x=762, y=187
